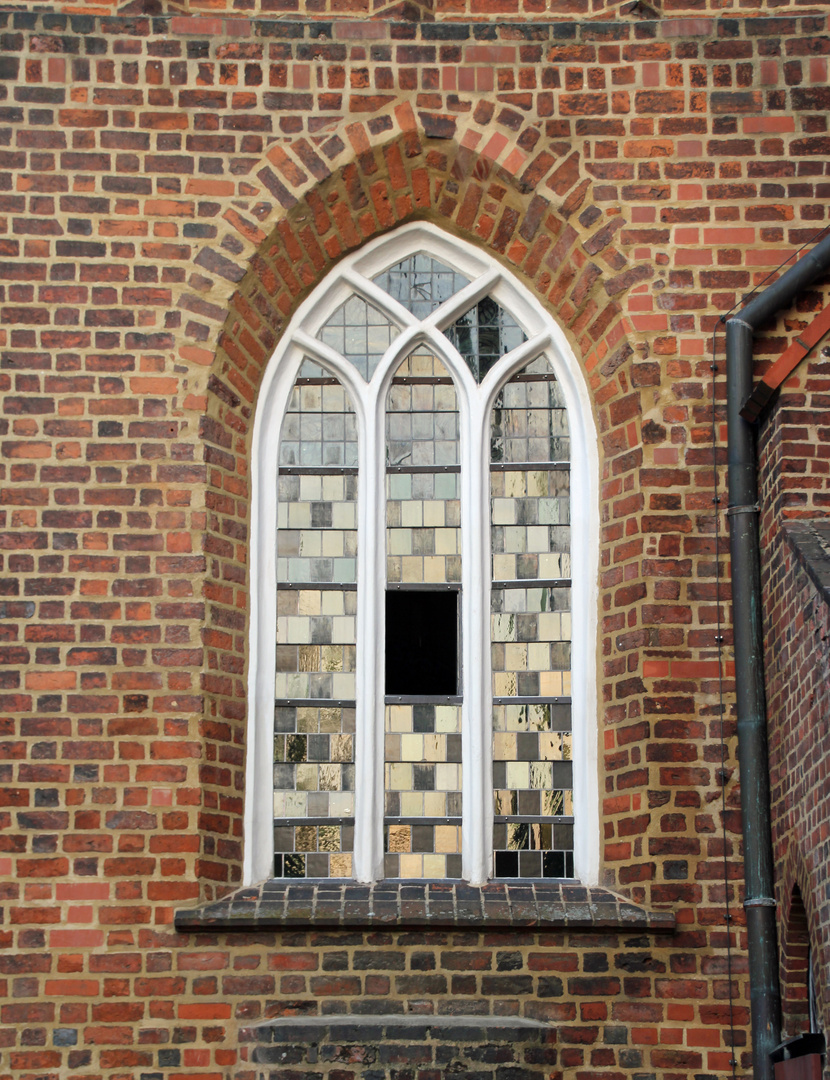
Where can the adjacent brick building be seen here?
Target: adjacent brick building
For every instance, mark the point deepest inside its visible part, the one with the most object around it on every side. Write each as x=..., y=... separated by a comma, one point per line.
x=176, y=181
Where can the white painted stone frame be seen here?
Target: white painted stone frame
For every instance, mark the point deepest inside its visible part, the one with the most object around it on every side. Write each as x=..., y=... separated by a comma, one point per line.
x=353, y=275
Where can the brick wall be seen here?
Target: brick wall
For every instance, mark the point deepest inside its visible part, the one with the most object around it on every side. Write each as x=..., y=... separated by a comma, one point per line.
x=480, y=10
x=169, y=192
x=798, y=658
x=794, y=464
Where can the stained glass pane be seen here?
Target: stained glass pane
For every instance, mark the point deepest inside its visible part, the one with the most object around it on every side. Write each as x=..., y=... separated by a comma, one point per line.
x=422, y=825
x=421, y=283
x=484, y=334
x=529, y=421
x=358, y=331
x=313, y=791
x=530, y=524
x=316, y=634
x=423, y=791
x=531, y=629
x=423, y=512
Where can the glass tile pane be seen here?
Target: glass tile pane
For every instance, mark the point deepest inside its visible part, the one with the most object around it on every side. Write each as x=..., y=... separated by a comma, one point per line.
x=317, y=528
x=360, y=333
x=421, y=283
x=311, y=370
x=313, y=791
x=319, y=427
x=531, y=631
x=531, y=642
x=530, y=422
x=530, y=524
x=422, y=826
x=316, y=635
x=423, y=512
x=485, y=333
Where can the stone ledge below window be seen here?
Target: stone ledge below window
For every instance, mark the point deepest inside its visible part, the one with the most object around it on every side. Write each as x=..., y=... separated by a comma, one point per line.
x=280, y=904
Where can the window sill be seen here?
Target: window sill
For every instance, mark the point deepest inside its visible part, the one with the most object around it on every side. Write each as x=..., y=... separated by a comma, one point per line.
x=564, y=905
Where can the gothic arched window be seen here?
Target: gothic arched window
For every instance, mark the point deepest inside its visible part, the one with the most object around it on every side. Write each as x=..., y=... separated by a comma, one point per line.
x=423, y=580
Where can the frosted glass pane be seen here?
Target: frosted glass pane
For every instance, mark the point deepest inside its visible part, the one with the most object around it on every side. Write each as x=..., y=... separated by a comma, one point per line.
x=360, y=333
x=320, y=427
x=421, y=283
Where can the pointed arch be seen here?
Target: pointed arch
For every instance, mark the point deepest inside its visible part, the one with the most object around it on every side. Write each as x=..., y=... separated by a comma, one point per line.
x=354, y=274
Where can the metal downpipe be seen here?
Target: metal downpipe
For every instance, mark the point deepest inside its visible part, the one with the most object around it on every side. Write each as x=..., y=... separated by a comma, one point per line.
x=751, y=702
x=747, y=614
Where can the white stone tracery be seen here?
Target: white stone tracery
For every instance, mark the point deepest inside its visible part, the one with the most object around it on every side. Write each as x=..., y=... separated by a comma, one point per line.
x=475, y=402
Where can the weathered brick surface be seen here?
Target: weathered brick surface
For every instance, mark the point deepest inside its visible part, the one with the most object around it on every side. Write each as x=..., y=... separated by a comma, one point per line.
x=479, y=1047
x=169, y=191
x=799, y=688
x=794, y=463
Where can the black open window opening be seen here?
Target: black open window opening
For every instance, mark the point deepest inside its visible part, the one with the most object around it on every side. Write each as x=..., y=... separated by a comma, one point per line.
x=422, y=637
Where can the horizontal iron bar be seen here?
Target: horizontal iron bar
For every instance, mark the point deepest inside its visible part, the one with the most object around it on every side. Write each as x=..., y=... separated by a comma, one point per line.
x=495, y=466
x=536, y=466
x=420, y=380
x=313, y=821
x=391, y=820
x=521, y=699
x=423, y=469
x=317, y=586
x=325, y=703
x=415, y=699
x=423, y=699
x=317, y=470
x=533, y=583
x=423, y=586
x=534, y=819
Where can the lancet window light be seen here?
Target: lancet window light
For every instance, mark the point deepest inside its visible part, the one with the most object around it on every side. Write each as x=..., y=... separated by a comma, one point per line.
x=423, y=570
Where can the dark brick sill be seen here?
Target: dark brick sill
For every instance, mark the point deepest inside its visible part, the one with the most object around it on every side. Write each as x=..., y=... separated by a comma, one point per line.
x=280, y=904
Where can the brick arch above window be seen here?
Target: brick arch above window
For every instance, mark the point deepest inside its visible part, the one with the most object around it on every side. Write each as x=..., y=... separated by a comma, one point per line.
x=432, y=179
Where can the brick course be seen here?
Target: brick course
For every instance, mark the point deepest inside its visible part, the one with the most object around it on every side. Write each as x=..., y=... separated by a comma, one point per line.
x=170, y=190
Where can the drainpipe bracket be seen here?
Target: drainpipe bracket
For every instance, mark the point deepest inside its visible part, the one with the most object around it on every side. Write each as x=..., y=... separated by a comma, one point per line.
x=754, y=508
x=761, y=901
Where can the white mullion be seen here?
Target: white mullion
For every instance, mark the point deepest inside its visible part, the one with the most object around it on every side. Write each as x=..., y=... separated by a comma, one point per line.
x=373, y=294
x=509, y=364
x=371, y=635
x=477, y=708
